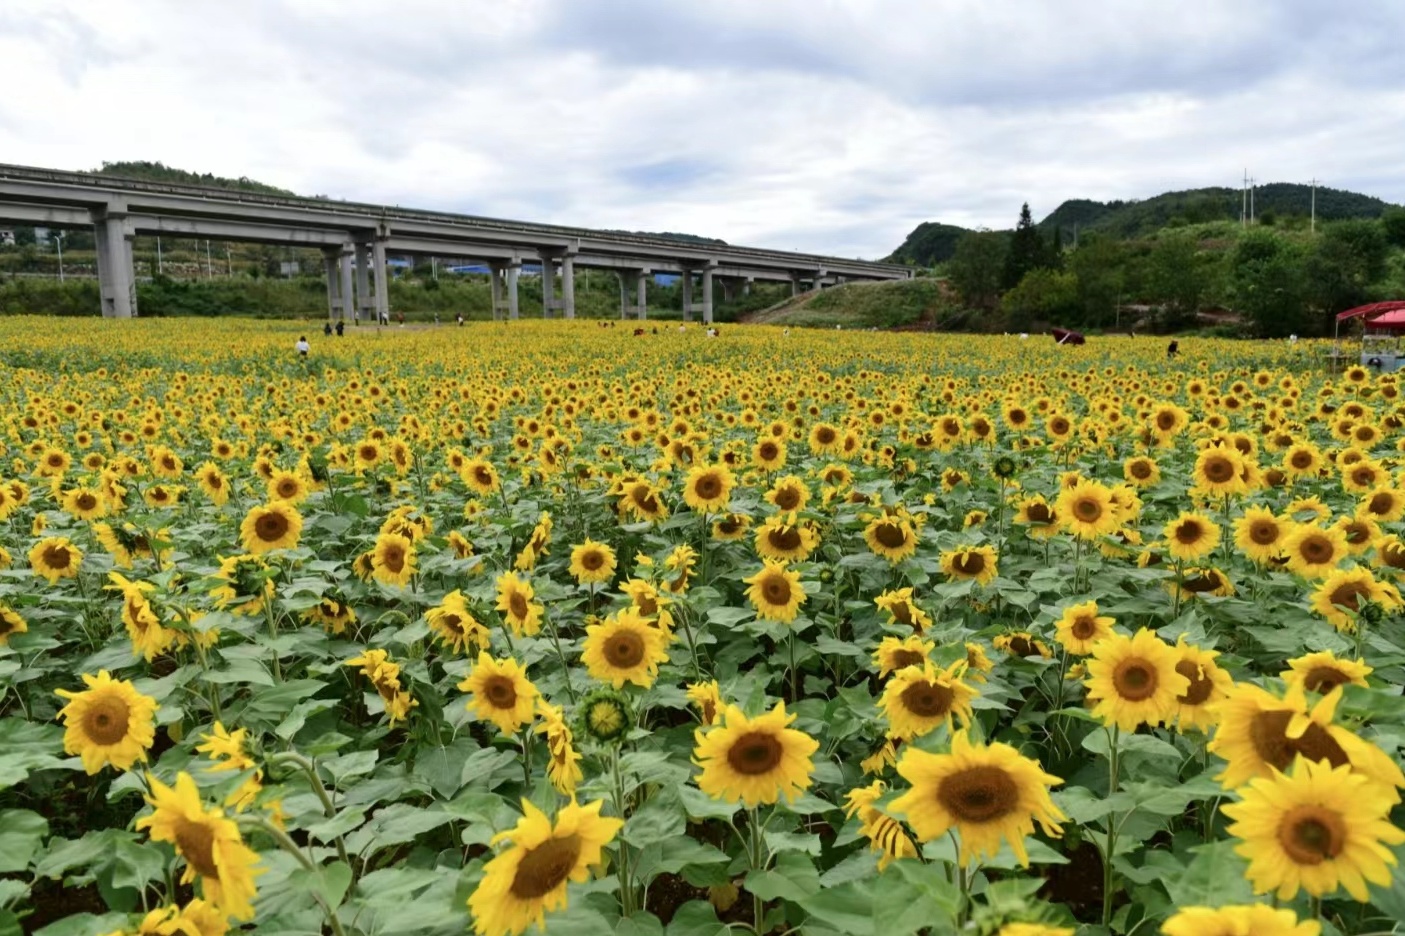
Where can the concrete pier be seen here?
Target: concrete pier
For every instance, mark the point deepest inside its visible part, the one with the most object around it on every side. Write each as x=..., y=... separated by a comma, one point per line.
x=116, y=280
x=365, y=305
x=382, y=279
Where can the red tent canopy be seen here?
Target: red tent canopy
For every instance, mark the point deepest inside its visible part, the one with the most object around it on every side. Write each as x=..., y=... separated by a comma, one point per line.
x=1372, y=308
x=1064, y=336
x=1393, y=320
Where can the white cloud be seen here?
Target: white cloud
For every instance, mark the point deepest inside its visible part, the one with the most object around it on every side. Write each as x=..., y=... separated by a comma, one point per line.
x=830, y=126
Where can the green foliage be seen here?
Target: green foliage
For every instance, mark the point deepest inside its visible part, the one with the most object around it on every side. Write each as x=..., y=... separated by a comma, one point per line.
x=1268, y=284
x=930, y=243
x=1097, y=266
x=1177, y=277
x=1043, y=294
x=1346, y=259
x=1027, y=250
x=159, y=172
x=977, y=266
x=1393, y=221
x=872, y=305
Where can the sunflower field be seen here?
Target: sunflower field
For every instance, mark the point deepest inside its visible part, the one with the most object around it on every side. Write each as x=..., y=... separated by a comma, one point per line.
x=558, y=627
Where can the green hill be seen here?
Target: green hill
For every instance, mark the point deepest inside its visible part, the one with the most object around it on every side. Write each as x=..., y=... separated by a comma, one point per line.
x=930, y=243
x=159, y=172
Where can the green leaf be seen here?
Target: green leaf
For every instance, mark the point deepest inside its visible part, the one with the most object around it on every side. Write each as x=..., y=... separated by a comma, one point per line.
x=701, y=806
x=136, y=865
x=642, y=923
x=241, y=672
x=659, y=819
x=1215, y=877
x=442, y=768
x=84, y=924
x=792, y=878
x=847, y=908
x=793, y=841
x=21, y=832
x=394, y=825
x=696, y=918
x=29, y=746
x=343, y=822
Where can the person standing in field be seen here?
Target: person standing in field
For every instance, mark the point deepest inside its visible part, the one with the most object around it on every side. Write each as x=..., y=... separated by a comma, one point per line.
x=303, y=347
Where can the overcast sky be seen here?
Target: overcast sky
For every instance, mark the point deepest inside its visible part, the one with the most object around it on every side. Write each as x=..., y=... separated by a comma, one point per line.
x=831, y=126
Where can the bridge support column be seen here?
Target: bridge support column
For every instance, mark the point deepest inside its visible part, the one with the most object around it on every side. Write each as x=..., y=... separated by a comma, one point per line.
x=331, y=258
x=382, y=279
x=687, y=283
x=514, y=272
x=634, y=294
x=116, y=279
x=495, y=286
x=364, y=304
x=568, y=286
x=348, y=299
x=746, y=286
x=794, y=285
x=728, y=288
x=707, y=296
x=549, y=303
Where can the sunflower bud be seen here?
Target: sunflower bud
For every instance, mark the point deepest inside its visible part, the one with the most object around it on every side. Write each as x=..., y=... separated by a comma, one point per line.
x=606, y=716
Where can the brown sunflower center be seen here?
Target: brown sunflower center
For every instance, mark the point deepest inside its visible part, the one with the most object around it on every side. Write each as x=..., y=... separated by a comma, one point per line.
x=1357, y=532
x=500, y=692
x=708, y=487
x=1348, y=595
x=287, y=488
x=1039, y=513
x=106, y=720
x=624, y=649
x=483, y=476
x=1381, y=504
x=86, y=501
x=1165, y=421
x=776, y=590
x=755, y=753
x=1084, y=626
x=1206, y=581
x=768, y=451
x=1311, y=834
x=1263, y=532
x=1324, y=679
x=1269, y=733
x=1200, y=683
x=1300, y=460
x=979, y=794
x=901, y=612
x=1316, y=549
x=784, y=538
x=517, y=605
x=593, y=560
x=1141, y=470
x=901, y=659
x=196, y=843
x=1135, y=679
x=1394, y=556
x=271, y=527
x=1087, y=509
x=928, y=699
x=1219, y=469
x=891, y=535
x=546, y=867
x=788, y=498
x=969, y=563
x=1189, y=532
x=824, y=435
x=392, y=556
x=57, y=557
x=1364, y=475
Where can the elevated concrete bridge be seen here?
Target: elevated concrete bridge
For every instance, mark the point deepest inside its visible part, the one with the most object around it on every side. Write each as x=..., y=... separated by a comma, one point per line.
x=356, y=238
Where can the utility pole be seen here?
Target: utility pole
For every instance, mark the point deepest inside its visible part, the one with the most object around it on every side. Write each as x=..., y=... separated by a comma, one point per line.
x=160, y=269
x=209, y=264
x=1251, y=200
x=58, y=242
x=1313, y=228
x=1244, y=200
x=228, y=260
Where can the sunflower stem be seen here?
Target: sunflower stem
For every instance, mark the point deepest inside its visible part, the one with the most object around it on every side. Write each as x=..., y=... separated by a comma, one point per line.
x=288, y=845
x=1109, y=877
x=310, y=770
x=626, y=876
x=273, y=635
x=561, y=655
x=758, y=860
x=526, y=738
x=692, y=647
x=1176, y=599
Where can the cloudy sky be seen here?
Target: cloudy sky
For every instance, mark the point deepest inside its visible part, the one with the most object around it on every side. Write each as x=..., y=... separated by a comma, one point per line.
x=831, y=126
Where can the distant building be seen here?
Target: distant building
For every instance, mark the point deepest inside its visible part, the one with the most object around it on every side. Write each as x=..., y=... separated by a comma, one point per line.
x=288, y=268
x=7, y=238
x=41, y=237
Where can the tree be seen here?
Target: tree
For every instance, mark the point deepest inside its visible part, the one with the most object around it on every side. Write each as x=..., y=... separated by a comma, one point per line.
x=1175, y=278
x=1268, y=285
x=1346, y=260
x=1027, y=250
x=1394, y=223
x=1097, y=265
x=1043, y=294
x=975, y=268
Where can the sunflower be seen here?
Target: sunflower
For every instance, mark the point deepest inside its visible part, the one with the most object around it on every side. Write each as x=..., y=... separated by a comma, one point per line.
x=110, y=722
x=1191, y=535
x=1346, y=594
x=247, y=578
x=149, y=637
x=1313, y=551
x=563, y=769
x=213, y=483
x=1244, y=920
x=287, y=486
x=1086, y=509
x=276, y=525
x=1360, y=532
x=84, y=503
x=1080, y=627
x=885, y=834
x=893, y=538
x=824, y=439
x=642, y=499
x=708, y=699
x=1134, y=680
x=920, y=698
x=731, y=526
x=784, y=538
x=1302, y=460
x=1316, y=828
x=1197, y=707
x=768, y=454
x=708, y=488
x=1363, y=476
x=1219, y=471
x=1141, y=471
x=1036, y=514
x=896, y=653
x=1021, y=644
x=1260, y=535
x=55, y=557
x=970, y=562
x=480, y=476
x=10, y=624
x=209, y=843
x=592, y=562
x=776, y=592
x=1323, y=671
x=789, y=493
x=681, y=561
x=903, y=610
x=753, y=760
x=1259, y=733
x=985, y=792
x=455, y=625
x=624, y=648
x=522, y=883
x=502, y=693
x=519, y=611
x=393, y=559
